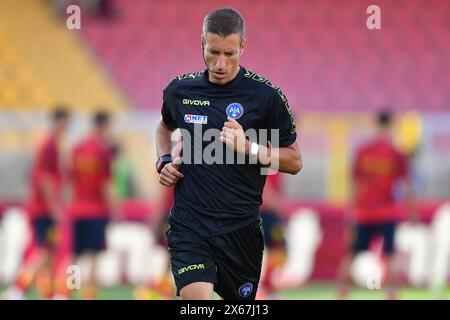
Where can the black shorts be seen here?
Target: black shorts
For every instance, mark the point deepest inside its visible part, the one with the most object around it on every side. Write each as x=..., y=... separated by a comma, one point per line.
x=89, y=235
x=231, y=261
x=364, y=233
x=44, y=232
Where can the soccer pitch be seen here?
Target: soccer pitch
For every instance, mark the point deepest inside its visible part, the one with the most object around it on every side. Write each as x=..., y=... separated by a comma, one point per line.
x=312, y=291
x=326, y=291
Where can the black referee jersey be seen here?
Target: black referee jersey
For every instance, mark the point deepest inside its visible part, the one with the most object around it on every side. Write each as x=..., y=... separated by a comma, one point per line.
x=219, y=197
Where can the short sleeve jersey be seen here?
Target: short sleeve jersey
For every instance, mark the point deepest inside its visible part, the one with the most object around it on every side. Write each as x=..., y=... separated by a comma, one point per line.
x=217, y=194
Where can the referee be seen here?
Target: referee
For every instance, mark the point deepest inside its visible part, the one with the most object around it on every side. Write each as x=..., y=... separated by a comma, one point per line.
x=215, y=237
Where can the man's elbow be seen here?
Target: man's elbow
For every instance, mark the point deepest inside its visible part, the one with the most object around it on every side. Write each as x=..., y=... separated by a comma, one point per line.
x=295, y=166
x=163, y=127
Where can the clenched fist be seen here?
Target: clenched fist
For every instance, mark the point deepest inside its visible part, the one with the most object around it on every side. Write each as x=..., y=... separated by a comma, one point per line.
x=170, y=175
x=234, y=137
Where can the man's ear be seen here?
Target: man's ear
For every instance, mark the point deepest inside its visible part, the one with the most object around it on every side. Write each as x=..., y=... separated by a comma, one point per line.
x=242, y=46
x=203, y=41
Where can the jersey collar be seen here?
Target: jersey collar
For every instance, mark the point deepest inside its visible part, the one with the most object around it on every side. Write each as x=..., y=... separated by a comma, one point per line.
x=231, y=83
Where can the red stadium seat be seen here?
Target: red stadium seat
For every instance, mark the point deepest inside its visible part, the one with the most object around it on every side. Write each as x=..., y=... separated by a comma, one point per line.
x=320, y=53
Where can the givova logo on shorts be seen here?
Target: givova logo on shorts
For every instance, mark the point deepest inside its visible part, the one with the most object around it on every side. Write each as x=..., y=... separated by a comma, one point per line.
x=191, y=267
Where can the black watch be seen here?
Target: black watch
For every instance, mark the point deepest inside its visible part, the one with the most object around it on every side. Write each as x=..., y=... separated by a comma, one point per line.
x=162, y=161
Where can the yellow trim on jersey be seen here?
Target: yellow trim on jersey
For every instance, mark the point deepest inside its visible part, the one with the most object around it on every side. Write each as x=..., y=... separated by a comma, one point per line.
x=191, y=75
x=257, y=77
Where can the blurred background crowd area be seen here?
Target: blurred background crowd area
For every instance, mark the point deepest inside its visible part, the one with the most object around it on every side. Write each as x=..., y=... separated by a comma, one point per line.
x=335, y=72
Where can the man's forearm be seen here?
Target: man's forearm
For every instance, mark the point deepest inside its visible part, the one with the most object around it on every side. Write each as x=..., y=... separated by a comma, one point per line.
x=49, y=194
x=410, y=200
x=287, y=159
x=163, y=139
x=111, y=201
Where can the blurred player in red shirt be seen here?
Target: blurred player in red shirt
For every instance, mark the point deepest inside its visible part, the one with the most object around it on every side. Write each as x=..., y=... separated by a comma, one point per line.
x=92, y=201
x=378, y=169
x=45, y=211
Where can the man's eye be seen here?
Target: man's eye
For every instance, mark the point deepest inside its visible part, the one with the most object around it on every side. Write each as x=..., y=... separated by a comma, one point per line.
x=215, y=53
x=229, y=54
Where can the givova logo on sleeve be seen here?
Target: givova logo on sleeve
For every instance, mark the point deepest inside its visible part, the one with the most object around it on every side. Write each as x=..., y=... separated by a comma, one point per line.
x=195, y=118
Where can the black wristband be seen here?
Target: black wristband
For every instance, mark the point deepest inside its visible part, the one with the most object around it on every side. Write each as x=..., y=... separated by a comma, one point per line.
x=162, y=161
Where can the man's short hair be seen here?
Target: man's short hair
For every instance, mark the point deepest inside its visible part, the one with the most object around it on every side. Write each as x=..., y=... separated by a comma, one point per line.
x=101, y=118
x=384, y=118
x=59, y=113
x=224, y=22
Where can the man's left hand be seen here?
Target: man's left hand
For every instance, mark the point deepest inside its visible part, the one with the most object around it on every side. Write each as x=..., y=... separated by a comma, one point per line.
x=234, y=137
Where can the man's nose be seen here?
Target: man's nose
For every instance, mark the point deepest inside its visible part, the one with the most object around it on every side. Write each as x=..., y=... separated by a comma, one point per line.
x=220, y=63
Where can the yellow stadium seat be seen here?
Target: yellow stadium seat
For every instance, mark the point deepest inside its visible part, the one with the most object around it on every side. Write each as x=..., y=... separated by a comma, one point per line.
x=43, y=63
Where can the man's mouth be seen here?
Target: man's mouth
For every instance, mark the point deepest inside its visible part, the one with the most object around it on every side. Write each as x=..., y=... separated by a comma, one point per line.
x=219, y=74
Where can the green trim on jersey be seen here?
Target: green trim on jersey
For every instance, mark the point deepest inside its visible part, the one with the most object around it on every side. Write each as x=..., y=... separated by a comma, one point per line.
x=191, y=75
x=251, y=75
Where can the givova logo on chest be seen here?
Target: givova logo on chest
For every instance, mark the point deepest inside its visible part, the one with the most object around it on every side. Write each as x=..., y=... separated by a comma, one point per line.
x=190, y=102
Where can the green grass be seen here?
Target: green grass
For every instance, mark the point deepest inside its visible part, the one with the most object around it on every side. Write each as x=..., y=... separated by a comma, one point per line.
x=312, y=291
x=325, y=291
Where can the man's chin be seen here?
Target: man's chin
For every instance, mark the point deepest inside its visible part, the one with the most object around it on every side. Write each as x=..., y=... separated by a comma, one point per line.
x=220, y=80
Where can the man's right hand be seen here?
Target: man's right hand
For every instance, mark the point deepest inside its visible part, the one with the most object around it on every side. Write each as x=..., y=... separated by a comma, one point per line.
x=169, y=174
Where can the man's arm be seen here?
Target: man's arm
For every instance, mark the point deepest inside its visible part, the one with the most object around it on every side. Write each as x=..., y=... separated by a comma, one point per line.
x=111, y=201
x=285, y=159
x=409, y=196
x=410, y=201
x=169, y=175
x=163, y=138
x=50, y=197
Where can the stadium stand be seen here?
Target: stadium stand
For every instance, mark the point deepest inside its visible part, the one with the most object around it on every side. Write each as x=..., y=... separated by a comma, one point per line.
x=43, y=65
x=355, y=68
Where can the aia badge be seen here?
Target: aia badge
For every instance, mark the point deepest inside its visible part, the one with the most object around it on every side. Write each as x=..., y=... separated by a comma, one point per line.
x=245, y=290
x=235, y=110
